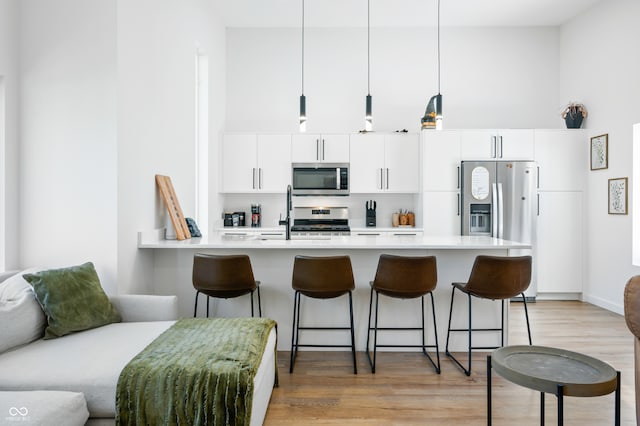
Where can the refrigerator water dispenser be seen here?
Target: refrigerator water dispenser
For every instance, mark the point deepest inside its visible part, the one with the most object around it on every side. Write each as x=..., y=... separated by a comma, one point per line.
x=480, y=219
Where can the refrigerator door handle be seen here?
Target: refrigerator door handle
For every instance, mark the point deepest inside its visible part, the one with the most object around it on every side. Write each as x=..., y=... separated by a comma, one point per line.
x=494, y=210
x=500, y=212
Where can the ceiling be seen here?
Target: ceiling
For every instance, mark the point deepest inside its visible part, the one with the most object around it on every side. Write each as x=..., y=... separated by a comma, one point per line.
x=399, y=13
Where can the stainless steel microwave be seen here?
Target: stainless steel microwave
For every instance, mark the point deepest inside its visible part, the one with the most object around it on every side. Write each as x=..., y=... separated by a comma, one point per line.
x=320, y=179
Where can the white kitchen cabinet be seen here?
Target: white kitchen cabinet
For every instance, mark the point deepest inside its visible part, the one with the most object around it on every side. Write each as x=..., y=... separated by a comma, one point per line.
x=506, y=144
x=384, y=163
x=562, y=157
x=253, y=163
x=559, y=249
x=328, y=148
x=441, y=213
x=440, y=160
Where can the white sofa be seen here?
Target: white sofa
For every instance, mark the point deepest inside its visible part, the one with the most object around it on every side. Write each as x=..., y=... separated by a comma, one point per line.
x=89, y=361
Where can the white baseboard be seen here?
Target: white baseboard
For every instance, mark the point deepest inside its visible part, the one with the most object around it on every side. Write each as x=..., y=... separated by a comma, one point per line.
x=605, y=304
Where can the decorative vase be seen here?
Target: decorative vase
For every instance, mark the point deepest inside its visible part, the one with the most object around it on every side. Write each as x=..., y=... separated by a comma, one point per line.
x=573, y=120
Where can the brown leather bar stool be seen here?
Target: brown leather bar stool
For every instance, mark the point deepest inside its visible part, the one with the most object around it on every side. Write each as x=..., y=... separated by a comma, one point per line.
x=495, y=278
x=404, y=277
x=321, y=278
x=224, y=277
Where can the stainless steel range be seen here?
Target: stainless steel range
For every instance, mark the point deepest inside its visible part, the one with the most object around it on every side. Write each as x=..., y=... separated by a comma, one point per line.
x=320, y=221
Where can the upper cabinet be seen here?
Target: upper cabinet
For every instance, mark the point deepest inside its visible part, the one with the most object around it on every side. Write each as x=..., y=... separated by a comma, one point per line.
x=440, y=160
x=253, y=163
x=385, y=163
x=329, y=148
x=562, y=158
x=508, y=144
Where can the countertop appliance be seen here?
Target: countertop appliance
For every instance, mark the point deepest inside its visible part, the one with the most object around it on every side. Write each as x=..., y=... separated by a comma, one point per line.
x=499, y=199
x=320, y=178
x=370, y=207
x=320, y=221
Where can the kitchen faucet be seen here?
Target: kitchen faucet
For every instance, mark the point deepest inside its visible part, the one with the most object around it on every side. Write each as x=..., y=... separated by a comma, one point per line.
x=287, y=220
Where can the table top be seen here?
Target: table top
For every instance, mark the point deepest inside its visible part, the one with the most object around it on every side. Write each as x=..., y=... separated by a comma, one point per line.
x=154, y=240
x=543, y=369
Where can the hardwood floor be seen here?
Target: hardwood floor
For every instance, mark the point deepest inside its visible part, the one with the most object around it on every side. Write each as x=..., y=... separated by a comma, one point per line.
x=406, y=391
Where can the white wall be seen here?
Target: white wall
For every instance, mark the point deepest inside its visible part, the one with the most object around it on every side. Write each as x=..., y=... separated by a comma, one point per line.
x=67, y=115
x=156, y=117
x=599, y=68
x=9, y=241
x=491, y=77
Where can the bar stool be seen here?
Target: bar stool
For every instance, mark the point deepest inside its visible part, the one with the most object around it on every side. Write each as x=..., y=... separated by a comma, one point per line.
x=404, y=278
x=224, y=277
x=495, y=278
x=321, y=278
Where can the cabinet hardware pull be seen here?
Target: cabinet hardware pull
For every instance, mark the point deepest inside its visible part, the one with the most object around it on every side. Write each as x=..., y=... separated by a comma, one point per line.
x=538, y=204
x=538, y=183
x=381, y=179
x=318, y=149
x=260, y=178
x=493, y=147
x=253, y=177
x=322, y=149
x=458, y=175
x=458, y=203
x=387, y=178
x=500, y=137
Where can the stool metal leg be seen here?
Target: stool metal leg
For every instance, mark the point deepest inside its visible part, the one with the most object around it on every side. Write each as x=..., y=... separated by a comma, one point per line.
x=526, y=314
x=208, y=299
x=195, y=308
x=294, y=329
x=251, y=296
x=372, y=362
x=259, y=303
x=541, y=408
x=353, y=338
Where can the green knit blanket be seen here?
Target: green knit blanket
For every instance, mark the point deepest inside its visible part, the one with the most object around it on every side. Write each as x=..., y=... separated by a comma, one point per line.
x=198, y=372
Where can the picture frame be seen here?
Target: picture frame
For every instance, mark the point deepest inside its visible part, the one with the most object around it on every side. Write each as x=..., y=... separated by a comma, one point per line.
x=618, y=195
x=599, y=152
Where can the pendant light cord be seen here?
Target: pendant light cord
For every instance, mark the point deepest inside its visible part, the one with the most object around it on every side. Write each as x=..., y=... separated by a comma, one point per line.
x=438, y=46
x=369, y=49
x=302, y=47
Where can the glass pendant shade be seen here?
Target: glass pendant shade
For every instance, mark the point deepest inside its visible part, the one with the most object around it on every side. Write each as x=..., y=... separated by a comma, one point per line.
x=303, y=113
x=433, y=114
x=368, y=119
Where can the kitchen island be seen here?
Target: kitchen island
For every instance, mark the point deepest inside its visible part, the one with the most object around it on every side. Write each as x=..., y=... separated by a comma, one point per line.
x=272, y=261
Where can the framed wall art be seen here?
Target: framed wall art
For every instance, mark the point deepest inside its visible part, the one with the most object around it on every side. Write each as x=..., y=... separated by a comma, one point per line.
x=600, y=152
x=618, y=196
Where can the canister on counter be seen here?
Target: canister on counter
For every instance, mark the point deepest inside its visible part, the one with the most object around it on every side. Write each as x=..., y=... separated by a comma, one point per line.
x=255, y=215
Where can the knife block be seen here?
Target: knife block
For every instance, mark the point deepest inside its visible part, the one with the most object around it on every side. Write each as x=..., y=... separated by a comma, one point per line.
x=371, y=217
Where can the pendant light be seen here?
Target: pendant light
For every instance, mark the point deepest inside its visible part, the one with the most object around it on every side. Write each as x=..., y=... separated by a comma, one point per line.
x=433, y=114
x=368, y=118
x=303, y=99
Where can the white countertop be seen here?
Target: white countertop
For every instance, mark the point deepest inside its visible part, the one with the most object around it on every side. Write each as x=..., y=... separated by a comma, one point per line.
x=153, y=240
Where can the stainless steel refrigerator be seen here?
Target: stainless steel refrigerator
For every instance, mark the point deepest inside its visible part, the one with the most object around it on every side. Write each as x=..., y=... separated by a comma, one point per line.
x=499, y=199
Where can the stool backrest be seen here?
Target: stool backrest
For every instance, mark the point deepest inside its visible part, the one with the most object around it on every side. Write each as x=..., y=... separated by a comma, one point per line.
x=223, y=276
x=498, y=277
x=322, y=277
x=406, y=276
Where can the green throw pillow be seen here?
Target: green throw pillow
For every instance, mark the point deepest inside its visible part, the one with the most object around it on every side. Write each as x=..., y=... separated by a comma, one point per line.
x=73, y=299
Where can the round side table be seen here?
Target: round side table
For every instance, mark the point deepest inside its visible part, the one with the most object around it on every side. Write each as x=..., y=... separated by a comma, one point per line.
x=552, y=370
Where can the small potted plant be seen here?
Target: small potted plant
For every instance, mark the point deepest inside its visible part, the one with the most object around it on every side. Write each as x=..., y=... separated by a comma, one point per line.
x=573, y=114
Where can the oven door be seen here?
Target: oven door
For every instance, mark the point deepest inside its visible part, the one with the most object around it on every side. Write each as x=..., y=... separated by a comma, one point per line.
x=320, y=179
